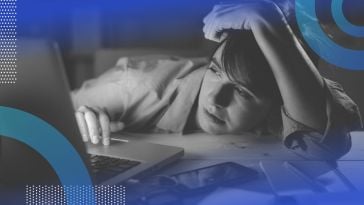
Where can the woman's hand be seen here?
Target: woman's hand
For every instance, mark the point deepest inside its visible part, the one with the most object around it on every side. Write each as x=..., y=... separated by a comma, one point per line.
x=94, y=124
x=241, y=16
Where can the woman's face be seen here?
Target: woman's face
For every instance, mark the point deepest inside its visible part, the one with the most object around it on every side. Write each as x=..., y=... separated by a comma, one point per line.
x=225, y=106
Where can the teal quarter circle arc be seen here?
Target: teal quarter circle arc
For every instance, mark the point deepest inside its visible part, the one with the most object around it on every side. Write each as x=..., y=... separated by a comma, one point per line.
x=50, y=144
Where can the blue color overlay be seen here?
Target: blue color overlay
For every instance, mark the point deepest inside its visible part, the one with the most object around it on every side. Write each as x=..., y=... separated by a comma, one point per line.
x=325, y=47
x=50, y=143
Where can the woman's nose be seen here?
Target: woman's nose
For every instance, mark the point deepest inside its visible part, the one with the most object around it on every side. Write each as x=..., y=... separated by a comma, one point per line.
x=220, y=96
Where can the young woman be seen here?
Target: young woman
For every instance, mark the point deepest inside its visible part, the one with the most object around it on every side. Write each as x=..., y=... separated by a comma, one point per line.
x=259, y=80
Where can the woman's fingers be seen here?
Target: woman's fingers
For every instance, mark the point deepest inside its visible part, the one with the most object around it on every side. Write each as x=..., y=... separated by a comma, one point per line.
x=82, y=125
x=105, y=126
x=211, y=24
x=228, y=16
x=208, y=28
x=94, y=124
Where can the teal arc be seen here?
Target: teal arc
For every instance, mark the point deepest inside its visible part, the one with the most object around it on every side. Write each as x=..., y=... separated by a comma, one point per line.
x=50, y=144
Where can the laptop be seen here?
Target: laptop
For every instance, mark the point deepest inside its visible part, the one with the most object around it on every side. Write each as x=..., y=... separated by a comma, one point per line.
x=41, y=89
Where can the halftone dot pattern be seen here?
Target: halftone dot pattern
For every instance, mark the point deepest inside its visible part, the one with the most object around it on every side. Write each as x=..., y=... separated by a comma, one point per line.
x=8, y=41
x=55, y=194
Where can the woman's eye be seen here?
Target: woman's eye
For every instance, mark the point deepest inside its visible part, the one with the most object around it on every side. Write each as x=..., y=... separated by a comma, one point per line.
x=242, y=92
x=216, y=71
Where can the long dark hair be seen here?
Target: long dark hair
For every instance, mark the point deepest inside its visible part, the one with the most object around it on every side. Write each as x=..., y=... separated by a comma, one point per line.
x=243, y=61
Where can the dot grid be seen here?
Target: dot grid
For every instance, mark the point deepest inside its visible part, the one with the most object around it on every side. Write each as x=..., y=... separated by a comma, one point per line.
x=55, y=194
x=8, y=32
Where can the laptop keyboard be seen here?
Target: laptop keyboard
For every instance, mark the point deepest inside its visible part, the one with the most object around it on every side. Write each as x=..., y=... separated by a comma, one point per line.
x=106, y=167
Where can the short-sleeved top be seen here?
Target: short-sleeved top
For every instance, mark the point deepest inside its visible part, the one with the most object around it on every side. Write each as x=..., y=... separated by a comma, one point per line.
x=158, y=94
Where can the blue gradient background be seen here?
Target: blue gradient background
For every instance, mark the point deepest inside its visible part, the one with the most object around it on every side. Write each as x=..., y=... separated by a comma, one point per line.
x=33, y=11
x=156, y=13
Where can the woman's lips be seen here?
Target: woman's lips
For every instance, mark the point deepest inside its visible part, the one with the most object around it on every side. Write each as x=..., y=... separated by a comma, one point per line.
x=213, y=117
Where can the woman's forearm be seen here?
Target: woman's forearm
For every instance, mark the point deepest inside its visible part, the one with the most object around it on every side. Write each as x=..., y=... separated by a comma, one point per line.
x=300, y=84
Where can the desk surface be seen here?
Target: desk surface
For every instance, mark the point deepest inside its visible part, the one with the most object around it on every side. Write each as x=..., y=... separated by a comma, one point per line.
x=202, y=146
x=203, y=150
x=219, y=147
